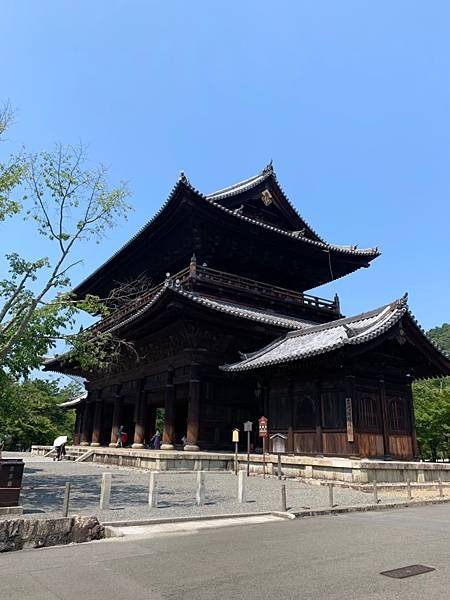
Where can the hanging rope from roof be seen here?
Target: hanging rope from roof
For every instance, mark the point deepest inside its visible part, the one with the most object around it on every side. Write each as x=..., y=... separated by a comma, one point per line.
x=329, y=264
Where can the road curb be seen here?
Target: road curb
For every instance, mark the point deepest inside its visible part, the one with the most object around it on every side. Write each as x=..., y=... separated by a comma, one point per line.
x=366, y=508
x=298, y=514
x=162, y=521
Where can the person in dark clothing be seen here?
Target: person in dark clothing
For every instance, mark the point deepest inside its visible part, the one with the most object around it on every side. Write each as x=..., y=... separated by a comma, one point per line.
x=119, y=434
x=156, y=440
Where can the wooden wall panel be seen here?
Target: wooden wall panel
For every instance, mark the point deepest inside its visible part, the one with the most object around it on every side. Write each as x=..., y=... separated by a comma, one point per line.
x=400, y=446
x=305, y=442
x=336, y=444
x=370, y=444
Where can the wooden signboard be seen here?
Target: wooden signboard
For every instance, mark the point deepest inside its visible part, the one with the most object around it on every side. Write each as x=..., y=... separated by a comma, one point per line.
x=349, y=415
x=262, y=422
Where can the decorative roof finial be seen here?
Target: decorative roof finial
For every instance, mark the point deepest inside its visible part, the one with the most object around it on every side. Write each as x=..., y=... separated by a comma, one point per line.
x=183, y=178
x=268, y=168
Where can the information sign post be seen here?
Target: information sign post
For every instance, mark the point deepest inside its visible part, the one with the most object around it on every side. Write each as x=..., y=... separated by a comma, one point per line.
x=248, y=425
x=262, y=423
x=235, y=439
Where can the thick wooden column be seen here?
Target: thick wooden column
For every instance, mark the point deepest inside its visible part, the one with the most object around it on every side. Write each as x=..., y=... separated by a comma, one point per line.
x=97, y=428
x=318, y=414
x=384, y=417
x=85, y=426
x=290, y=432
x=139, y=427
x=77, y=426
x=350, y=411
x=117, y=416
x=169, y=413
x=193, y=410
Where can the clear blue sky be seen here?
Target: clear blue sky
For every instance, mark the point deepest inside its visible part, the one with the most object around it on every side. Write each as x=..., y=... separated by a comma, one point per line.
x=350, y=98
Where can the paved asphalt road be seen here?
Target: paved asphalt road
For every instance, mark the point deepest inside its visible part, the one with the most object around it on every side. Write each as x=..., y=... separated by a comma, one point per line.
x=329, y=558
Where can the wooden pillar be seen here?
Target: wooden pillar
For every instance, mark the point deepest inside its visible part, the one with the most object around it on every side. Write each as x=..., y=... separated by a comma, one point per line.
x=77, y=426
x=290, y=432
x=318, y=407
x=350, y=410
x=117, y=416
x=97, y=428
x=169, y=413
x=384, y=417
x=193, y=410
x=85, y=426
x=412, y=419
x=139, y=427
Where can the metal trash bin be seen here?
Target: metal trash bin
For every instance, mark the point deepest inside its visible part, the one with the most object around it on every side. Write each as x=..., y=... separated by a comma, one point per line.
x=11, y=473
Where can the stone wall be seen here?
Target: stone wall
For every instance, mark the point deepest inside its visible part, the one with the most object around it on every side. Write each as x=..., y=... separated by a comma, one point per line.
x=17, y=534
x=310, y=467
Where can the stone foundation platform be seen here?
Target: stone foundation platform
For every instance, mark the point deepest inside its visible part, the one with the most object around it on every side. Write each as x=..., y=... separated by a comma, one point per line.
x=352, y=471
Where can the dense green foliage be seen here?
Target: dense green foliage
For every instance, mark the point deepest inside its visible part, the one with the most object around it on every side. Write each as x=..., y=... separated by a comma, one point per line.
x=29, y=412
x=441, y=336
x=432, y=406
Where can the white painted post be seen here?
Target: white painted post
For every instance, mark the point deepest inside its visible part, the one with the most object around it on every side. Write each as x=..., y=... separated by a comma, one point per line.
x=200, y=495
x=330, y=494
x=283, y=498
x=105, y=491
x=375, y=493
x=66, y=500
x=241, y=487
x=408, y=490
x=153, y=490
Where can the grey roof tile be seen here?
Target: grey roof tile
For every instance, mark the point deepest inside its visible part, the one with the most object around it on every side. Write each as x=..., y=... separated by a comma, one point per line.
x=320, y=339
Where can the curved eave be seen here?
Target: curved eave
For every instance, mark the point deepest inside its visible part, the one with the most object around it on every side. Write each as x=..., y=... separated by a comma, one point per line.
x=170, y=205
x=399, y=310
x=237, y=311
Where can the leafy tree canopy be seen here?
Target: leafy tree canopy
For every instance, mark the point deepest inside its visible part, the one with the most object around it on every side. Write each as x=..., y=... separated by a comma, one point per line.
x=432, y=406
x=29, y=412
x=70, y=204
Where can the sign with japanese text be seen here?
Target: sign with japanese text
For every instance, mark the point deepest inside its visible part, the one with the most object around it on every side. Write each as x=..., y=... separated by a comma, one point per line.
x=349, y=416
x=262, y=421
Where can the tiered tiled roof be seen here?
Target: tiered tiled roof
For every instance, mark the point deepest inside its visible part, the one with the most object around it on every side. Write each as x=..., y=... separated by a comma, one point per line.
x=320, y=339
x=233, y=309
x=213, y=199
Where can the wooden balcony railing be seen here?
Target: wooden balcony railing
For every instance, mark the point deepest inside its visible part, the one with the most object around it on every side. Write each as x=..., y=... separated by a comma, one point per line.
x=190, y=277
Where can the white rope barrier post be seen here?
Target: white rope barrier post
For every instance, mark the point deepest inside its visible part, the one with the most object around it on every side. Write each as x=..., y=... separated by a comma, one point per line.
x=375, y=493
x=200, y=495
x=153, y=490
x=241, y=487
x=283, y=498
x=331, y=494
x=66, y=500
x=105, y=491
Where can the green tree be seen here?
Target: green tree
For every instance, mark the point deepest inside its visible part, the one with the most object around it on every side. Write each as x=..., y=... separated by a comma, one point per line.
x=432, y=406
x=70, y=204
x=29, y=412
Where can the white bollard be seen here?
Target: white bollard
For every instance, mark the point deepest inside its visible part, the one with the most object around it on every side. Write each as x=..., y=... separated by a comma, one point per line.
x=200, y=495
x=241, y=487
x=153, y=490
x=105, y=491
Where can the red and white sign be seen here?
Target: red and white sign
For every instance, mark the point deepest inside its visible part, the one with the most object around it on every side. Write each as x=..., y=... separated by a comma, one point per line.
x=262, y=421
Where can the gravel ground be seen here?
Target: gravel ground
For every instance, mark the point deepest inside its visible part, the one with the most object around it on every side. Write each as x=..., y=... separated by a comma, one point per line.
x=44, y=481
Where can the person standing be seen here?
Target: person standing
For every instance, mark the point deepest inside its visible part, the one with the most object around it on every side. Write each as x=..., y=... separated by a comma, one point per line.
x=119, y=434
x=156, y=440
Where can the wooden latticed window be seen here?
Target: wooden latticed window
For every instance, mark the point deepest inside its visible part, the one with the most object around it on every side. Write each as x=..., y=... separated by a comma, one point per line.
x=398, y=415
x=333, y=406
x=368, y=412
x=304, y=413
